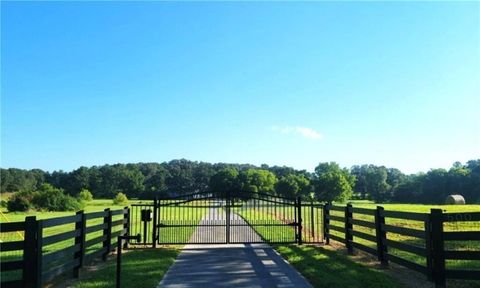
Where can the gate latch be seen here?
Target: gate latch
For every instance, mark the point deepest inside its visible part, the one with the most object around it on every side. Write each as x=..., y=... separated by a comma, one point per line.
x=292, y=224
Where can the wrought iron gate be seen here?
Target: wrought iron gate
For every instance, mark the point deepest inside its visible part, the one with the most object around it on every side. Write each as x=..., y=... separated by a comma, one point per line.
x=208, y=218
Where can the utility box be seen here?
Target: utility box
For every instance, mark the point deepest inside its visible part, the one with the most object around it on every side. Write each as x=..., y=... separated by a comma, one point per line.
x=146, y=215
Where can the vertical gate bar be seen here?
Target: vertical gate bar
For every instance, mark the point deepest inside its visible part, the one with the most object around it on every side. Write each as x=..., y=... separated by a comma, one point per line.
x=299, y=203
x=285, y=226
x=159, y=222
x=312, y=220
x=228, y=216
x=154, y=228
x=295, y=216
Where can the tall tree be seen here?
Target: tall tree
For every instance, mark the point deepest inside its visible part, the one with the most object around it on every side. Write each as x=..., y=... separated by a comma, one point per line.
x=333, y=183
x=224, y=181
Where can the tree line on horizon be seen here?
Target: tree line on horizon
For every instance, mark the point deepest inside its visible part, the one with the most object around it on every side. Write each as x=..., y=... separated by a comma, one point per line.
x=329, y=181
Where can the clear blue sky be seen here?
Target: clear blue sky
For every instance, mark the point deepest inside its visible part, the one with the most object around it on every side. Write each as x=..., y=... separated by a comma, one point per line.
x=90, y=83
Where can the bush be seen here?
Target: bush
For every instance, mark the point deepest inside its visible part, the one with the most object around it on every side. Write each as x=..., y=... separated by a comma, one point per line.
x=21, y=201
x=85, y=195
x=120, y=199
x=46, y=198
x=54, y=199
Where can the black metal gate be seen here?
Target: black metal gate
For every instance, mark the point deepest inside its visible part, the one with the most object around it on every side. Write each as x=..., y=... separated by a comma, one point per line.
x=208, y=218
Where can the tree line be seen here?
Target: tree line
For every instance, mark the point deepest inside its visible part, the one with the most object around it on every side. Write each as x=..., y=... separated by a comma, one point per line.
x=329, y=181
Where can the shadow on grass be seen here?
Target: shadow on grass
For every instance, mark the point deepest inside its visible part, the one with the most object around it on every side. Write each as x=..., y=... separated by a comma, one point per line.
x=324, y=268
x=140, y=268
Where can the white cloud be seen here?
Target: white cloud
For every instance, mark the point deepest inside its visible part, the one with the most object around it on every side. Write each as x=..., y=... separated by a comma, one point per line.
x=299, y=130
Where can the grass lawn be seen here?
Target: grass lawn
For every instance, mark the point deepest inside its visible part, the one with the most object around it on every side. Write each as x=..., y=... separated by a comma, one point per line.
x=325, y=268
x=140, y=268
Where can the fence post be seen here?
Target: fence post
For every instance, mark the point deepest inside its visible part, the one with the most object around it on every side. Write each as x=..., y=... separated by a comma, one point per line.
x=299, y=207
x=126, y=224
x=107, y=231
x=428, y=247
x=154, y=228
x=32, y=263
x=348, y=228
x=80, y=239
x=437, y=246
x=381, y=236
x=326, y=222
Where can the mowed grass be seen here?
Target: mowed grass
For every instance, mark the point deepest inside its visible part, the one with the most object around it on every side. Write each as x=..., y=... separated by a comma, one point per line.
x=268, y=233
x=140, y=269
x=321, y=267
x=325, y=268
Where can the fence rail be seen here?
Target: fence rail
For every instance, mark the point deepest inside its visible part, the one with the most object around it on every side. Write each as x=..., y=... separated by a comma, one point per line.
x=40, y=259
x=427, y=245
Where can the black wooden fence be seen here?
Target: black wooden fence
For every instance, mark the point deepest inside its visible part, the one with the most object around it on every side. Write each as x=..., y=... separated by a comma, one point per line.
x=422, y=250
x=42, y=256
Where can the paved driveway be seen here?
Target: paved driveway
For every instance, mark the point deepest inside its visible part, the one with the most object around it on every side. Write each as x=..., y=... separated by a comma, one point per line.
x=231, y=265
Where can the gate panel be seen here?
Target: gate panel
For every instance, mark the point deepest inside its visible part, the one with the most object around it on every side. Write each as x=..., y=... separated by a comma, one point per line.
x=312, y=223
x=206, y=218
x=142, y=225
x=264, y=218
x=196, y=218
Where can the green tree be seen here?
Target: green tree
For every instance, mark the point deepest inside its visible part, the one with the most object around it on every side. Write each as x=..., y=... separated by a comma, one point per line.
x=257, y=181
x=377, y=186
x=225, y=180
x=85, y=195
x=333, y=183
x=293, y=185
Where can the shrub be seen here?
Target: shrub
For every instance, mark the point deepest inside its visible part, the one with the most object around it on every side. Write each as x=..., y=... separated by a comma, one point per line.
x=54, y=199
x=120, y=199
x=85, y=195
x=46, y=198
x=21, y=201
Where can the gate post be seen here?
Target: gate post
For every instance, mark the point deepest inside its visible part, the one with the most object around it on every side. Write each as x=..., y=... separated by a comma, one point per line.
x=154, y=228
x=126, y=224
x=299, y=208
